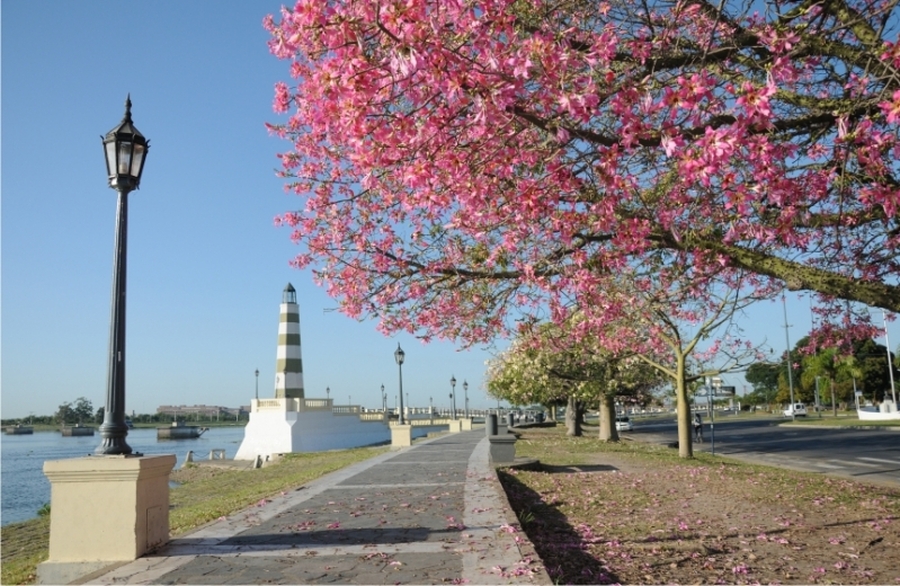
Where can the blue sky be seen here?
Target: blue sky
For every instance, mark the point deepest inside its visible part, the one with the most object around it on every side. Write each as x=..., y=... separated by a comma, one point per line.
x=206, y=267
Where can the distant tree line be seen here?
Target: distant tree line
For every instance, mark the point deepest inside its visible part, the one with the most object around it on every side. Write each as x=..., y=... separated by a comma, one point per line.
x=839, y=376
x=81, y=411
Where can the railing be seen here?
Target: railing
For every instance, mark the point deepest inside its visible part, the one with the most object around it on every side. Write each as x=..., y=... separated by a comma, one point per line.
x=424, y=422
x=377, y=416
x=291, y=405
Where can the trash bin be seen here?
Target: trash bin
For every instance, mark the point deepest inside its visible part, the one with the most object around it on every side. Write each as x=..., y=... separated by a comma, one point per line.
x=491, y=426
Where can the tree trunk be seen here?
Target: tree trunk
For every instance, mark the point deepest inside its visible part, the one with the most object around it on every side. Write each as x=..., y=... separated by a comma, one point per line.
x=608, y=431
x=833, y=403
x=573, y=420
x=685, y=445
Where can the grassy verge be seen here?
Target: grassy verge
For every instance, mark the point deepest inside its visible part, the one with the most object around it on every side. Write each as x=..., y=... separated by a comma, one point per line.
x=604, y=513
x=203, y=494
x=24, y=545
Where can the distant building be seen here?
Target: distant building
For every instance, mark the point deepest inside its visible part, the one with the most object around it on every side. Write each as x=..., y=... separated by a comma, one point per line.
x=211, y=411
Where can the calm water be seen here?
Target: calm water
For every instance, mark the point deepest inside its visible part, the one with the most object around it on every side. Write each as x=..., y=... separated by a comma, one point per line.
x=25, y=488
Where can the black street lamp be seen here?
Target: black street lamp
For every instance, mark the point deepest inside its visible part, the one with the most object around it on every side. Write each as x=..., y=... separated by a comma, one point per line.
x=383, y=399
x=327, y=393
x=399, y=356
x=257, y=384
x=466, y=395
x=126, y=150
x=452, y=397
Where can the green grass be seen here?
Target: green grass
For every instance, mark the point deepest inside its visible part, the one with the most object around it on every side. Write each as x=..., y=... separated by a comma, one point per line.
x=204, y=494
x=24, y=545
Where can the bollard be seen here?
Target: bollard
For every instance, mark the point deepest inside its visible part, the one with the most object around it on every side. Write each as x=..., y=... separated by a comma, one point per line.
x=491, y=427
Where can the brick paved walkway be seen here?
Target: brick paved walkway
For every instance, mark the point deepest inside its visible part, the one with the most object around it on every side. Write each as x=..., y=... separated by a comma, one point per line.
x=433, y=513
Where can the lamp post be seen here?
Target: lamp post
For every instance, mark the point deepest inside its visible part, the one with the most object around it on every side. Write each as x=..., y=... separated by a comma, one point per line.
x=787, y=340
x=399, y=356
x=327, y=393
x=887, y=344
x=126, y=150
x=383, y=400
x=466, y=396
x=713, y=390
x=452, y=397
x=257, y=384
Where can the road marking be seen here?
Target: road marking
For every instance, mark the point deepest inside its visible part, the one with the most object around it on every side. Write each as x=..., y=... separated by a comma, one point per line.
x=855, y=463
x=829, y=466
x=894, y=462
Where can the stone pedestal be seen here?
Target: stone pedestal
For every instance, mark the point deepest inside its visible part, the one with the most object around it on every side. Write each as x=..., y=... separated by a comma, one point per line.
x=455, y=425
x=401, y=436
x=503, y=449
x=466, y=424
x=104, y=510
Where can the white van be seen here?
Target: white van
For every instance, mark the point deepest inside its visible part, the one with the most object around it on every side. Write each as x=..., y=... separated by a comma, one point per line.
x=795, y=410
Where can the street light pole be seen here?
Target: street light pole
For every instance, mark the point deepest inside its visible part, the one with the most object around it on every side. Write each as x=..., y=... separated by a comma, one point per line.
x=126, y=150
x=787, y=340
x=383, y=400
x=452, y=397
x=257, y=384
x=887, y=343
x=466, y=395
x=716, y=385
x=399, y=356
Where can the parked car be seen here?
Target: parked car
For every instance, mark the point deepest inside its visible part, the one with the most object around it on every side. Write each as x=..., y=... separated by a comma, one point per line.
x=623, y=424
x=795, y=410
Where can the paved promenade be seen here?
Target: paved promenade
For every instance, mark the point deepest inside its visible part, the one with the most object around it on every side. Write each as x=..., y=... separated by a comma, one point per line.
x=433, y=513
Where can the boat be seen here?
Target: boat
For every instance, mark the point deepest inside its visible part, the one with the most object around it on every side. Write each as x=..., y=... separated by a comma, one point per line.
x=77, y=430
x=19, y=429
x=180, y=430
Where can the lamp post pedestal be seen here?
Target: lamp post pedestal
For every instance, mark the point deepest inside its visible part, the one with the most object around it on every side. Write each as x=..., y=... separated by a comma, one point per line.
x=401, y=436
x=105, y=511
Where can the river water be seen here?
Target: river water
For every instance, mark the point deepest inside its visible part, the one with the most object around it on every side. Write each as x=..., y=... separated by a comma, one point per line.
x=24, y=489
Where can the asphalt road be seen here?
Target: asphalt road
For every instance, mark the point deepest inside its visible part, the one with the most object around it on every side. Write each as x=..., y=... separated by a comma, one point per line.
x=870, y=454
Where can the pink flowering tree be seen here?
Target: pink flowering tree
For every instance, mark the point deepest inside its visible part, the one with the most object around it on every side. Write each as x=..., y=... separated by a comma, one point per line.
x=463, y=165
x=548, y=365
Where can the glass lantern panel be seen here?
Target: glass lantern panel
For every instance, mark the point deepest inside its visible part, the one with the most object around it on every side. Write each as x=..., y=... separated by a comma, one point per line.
x=139, y=151
x=125, y=158
x=110, y=158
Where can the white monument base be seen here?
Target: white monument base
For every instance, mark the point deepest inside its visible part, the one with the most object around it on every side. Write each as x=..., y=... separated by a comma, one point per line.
x=283, y=426
x=104, y=510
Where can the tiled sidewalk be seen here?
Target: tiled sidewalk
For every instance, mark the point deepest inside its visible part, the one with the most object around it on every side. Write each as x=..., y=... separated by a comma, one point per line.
x=433, y=513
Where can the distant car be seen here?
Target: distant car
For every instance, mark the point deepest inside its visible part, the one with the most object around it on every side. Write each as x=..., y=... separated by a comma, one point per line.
x=795, y=410
x=624, y=424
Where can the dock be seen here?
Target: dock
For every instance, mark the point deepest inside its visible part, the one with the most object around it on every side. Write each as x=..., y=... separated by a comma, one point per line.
x=18, y=430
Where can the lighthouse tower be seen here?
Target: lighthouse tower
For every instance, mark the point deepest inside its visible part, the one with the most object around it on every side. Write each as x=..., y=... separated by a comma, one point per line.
x=289, y=364
x=293, y=422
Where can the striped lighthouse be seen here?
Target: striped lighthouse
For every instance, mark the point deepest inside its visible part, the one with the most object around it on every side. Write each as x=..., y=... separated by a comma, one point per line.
x=289, y=365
